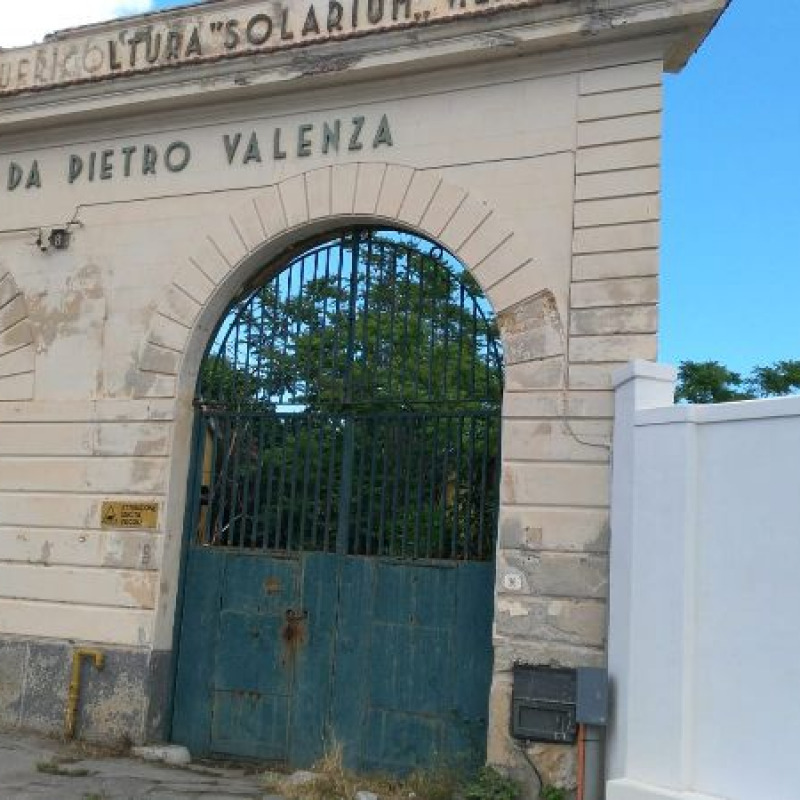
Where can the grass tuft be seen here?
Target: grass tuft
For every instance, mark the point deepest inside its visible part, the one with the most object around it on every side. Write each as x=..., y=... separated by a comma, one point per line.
x=334, y=782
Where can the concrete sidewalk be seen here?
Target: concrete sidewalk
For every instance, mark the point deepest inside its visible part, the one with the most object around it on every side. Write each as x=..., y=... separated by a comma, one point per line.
x=45, y=769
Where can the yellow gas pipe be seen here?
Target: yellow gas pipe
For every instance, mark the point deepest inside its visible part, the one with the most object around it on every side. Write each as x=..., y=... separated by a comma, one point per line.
x=71, y=718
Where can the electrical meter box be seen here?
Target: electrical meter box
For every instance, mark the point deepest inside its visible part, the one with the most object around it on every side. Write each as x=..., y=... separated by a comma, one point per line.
x=543, y=704
x=592, y=700
x=548, y=703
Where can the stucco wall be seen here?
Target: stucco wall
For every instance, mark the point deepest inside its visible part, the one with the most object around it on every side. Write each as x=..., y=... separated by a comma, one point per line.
x=703, y=648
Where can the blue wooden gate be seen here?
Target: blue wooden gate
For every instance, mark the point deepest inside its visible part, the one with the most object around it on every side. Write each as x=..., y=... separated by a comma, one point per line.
x=338, y=580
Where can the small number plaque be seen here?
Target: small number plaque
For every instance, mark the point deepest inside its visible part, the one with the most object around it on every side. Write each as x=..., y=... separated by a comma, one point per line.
x=115, y=514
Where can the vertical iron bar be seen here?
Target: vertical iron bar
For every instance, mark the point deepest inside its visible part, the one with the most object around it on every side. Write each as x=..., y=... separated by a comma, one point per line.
x=226, y=455
x=357, y=523
x=271, y=523
x=460, y=324
x=446, y=337
x=420, y=327
x=474, y=349
x=421, y=441
x=260, y=352
x=293, y=480
x=396, y=461
x=469, y=487
x=306, y=451
x=337, y=311
x=345, y=489
x=346, y=485
x=377, y=301
x=408, y=428
x=406, y=312
x=319, y=323
x=236, y=368
x=432, y=347
x=212, y=478
x=318, y=480
x=445, y=488
x=484, y=470
x=392, y=316
x=434, y=461
x=236, y=493
x=367, y=382
x=259, y=475
x=374, y=426
x=457, y=499
x=384, y=485
x=285, y=425
x=331, y=482
x=273, y=333
x=246, y=479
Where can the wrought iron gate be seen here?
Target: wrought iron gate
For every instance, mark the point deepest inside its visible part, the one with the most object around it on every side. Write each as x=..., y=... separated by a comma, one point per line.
x=339, y=576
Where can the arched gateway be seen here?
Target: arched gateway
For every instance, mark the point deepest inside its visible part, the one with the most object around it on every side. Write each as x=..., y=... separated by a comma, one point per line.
x=342, y=513
x=252, y=257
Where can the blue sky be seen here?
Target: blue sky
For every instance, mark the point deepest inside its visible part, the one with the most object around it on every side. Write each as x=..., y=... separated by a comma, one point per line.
x=730, y=261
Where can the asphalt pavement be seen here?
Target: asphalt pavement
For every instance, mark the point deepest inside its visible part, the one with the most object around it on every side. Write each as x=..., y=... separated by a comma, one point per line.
x=35, y=767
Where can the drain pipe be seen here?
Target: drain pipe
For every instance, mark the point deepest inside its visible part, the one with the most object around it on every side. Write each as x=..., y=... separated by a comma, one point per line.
x=590, y=769
x=73, y=698
x=592, y=718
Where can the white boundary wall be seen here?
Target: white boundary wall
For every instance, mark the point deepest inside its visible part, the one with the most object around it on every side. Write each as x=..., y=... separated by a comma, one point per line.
x=704, y=651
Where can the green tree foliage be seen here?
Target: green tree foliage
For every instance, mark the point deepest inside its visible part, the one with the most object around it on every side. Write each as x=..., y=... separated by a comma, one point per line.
x=390, y=326
x=368, y=381
x=781, y=378
x=712, y=382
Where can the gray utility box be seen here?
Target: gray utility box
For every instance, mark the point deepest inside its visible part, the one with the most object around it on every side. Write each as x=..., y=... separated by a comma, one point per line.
x=547, y=703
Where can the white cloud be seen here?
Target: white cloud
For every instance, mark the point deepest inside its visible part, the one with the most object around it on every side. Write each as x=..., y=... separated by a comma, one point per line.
x=27, y=21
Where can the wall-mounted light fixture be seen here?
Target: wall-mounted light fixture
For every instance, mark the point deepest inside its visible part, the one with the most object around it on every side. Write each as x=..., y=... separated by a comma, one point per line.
x=58, y=238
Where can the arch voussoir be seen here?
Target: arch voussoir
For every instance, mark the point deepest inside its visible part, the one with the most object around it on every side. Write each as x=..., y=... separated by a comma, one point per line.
x=269, y=207
x=368, y=188
x=17, y=343
x=418, y=197
x=509, y=256
x=318, y=191
x=343, y=188
x=247, y=225
x=485, y=240
x=445, y=202
x=194, y=281
x=467, y=219
x=208, y=258
x=394, y=186
x=294, y=198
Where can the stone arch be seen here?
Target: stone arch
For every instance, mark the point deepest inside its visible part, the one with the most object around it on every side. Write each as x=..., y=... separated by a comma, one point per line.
x=237, y=245
x=17, y=345
x=233, y=248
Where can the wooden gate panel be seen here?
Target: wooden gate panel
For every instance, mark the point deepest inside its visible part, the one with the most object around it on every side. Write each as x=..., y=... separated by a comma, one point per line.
x=191, y=719
x=314, y=658
x=253, y=671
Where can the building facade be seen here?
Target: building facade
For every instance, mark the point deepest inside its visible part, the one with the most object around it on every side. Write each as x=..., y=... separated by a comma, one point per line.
x=154, y=166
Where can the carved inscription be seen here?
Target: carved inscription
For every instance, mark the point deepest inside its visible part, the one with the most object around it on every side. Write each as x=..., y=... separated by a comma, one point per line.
x=171, y=40
x=329, y=138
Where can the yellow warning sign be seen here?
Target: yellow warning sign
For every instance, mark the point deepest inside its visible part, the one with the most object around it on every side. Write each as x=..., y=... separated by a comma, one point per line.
x=115, y=514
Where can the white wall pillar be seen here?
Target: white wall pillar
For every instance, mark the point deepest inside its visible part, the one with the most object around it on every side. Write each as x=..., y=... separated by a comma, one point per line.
x=638, y=385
